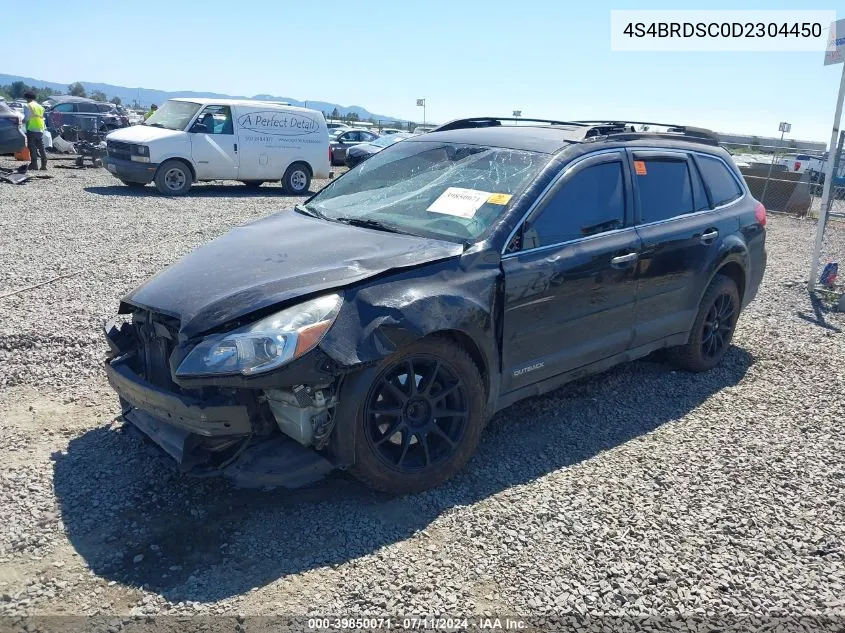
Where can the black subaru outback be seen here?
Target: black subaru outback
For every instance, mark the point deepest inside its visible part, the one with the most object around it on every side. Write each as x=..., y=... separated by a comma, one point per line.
x=377, y=326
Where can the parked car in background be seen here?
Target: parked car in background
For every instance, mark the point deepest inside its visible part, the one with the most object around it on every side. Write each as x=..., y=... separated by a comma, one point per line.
x=85, y=114
x=346, y=139
x=422, y=129
x=390, y=130
x=337, y=126
x=12, y=136
x=378, y=325
x=191, y=140
x=120, y=113
x=361, y=152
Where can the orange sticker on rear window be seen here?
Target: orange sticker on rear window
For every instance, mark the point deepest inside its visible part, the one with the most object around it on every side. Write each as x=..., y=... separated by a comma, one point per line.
x=639, y=168
x=499, y=198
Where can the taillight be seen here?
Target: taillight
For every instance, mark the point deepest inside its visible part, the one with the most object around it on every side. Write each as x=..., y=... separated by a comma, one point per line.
x=760, y=214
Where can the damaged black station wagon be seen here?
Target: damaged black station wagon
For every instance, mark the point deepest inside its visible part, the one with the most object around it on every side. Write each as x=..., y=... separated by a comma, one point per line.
x=377, y=326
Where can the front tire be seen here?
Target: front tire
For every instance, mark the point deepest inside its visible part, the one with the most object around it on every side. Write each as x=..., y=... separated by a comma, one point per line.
x=173, y=178
x=713, y=328
x=296, y=180
x=421, y=418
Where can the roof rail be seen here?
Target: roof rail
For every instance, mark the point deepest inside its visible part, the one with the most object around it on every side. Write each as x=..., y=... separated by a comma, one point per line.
x=494, y=121
x=629, y=130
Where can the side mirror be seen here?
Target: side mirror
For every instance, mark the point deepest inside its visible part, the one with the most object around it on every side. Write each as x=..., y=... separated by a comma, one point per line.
x=199, y=128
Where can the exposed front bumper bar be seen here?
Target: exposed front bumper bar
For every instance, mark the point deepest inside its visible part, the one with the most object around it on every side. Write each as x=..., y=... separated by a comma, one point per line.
x=181, y=412
x=129, y=170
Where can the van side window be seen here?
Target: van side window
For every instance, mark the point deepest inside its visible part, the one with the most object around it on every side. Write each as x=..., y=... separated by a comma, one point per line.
x=664, y=189
x=591, y=202
x=723, y=186
x=217, y=119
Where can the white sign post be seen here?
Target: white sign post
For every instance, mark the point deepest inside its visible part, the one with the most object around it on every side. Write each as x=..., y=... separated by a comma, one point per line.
x=834, y=54
x=421, y=102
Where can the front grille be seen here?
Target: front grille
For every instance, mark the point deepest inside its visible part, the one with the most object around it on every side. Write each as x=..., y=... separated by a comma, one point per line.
x=116, y=149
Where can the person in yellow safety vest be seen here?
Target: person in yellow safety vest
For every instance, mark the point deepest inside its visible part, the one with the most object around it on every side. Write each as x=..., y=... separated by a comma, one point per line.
x=33, y=118
x=150, y=112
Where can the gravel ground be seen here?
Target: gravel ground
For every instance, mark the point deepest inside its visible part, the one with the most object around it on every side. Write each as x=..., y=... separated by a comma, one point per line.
x=641, y=493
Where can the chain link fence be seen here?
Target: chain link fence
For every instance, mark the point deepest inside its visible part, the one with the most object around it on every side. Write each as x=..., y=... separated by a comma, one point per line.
x=791, y=181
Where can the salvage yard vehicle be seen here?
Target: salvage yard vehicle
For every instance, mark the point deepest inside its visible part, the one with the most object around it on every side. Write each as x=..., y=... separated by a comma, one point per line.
x=191, y=140
x=12, y=137
x=377, y=326
x=362, y=151
x=339, y=143
x=84, y=114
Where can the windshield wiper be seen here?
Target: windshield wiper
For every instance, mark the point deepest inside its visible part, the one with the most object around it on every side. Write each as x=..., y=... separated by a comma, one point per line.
x=369, y=224
x=311, y=213
x=154, y=124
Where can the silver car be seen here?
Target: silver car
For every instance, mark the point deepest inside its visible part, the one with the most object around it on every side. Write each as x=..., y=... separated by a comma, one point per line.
x=341, y=142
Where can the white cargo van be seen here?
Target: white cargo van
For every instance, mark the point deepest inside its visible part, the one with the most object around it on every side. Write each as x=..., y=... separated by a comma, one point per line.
x=190, y=140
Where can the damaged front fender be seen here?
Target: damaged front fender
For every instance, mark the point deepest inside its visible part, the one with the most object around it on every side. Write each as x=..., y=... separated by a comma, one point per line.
x=455, y=298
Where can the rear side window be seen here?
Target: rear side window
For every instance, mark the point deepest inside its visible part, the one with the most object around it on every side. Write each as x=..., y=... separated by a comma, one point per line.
x=723, y=186
x=591, y=202
x=664, y=189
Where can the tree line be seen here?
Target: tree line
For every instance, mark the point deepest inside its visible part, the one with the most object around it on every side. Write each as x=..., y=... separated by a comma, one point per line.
x=17, y=89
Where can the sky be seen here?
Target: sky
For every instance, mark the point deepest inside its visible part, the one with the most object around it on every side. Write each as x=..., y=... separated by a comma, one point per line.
x=547, y=58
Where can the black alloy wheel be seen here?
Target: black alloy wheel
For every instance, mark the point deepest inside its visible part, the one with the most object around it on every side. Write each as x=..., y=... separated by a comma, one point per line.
x=718, y=326
x=421, y=418
x=416, y=414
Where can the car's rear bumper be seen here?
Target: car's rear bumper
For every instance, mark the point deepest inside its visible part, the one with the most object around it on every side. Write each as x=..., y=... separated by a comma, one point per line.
x=129, y=170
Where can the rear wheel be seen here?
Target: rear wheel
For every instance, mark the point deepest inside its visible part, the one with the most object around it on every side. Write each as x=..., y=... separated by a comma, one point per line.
x=421, y=419
x=296, y=180
x=173, y=178
x=713, y=328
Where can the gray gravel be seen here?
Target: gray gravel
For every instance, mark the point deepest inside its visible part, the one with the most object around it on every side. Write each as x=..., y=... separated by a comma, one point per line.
x=642, y=493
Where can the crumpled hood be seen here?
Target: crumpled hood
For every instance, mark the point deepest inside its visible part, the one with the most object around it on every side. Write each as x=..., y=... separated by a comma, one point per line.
x=275, y=259
x=142, y=134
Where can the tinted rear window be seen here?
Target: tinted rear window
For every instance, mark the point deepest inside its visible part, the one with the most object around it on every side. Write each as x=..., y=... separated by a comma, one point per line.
x=664, y=190
x=723, y=186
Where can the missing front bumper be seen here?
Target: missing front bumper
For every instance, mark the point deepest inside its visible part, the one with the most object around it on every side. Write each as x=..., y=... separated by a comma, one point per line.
x=213, y=440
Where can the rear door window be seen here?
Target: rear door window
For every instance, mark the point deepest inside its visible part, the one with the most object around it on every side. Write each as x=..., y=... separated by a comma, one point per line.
x=723, y=186
x=592, y=201
x=663, y=186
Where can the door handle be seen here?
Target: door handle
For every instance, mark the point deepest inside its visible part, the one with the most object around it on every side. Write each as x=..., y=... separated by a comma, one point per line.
x=709, y=236
x=622, y=261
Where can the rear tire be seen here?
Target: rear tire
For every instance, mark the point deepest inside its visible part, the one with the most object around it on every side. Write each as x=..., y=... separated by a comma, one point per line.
x=133, y=185
x=415, y=433
x=173, y=178
x=296, y=180
x=713, y=328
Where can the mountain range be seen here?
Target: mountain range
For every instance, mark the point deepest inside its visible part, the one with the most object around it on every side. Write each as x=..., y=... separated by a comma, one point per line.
x=146, y=96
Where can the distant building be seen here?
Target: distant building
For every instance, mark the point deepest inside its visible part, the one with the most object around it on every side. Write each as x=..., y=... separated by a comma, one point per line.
x=771, y=143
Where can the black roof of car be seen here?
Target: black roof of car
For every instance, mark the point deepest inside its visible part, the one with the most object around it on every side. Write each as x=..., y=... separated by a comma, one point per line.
x=544, y=139
x=71, y=99
x=550, y=136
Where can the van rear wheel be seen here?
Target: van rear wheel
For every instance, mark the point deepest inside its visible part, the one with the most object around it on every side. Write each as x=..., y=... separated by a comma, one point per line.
x=296, y=180
x=173, y=178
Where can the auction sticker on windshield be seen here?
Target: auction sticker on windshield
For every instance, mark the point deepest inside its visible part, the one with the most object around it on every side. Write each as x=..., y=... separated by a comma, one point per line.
x=460, y=202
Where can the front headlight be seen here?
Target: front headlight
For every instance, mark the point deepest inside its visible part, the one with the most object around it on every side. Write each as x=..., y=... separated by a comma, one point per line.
x=266, y=344
x=140, y=153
